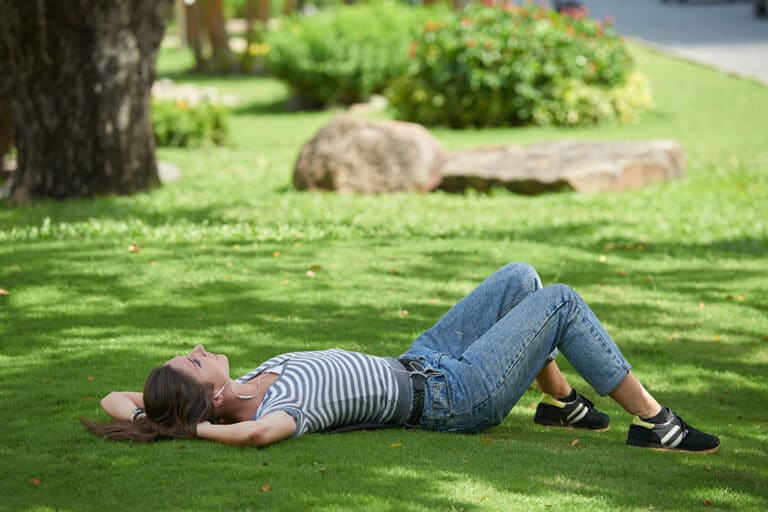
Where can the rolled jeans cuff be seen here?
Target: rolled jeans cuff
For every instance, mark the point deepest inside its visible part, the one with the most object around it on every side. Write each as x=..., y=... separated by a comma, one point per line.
x=609, y=385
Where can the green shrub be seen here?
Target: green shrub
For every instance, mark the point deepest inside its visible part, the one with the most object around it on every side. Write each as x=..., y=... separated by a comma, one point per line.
x=186, y=115
x=487, y=66
x=180, y=123
x=343, y=55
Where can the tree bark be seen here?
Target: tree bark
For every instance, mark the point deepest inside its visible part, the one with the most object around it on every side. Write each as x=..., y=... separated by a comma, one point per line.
x=6, y=132
x=82, y=72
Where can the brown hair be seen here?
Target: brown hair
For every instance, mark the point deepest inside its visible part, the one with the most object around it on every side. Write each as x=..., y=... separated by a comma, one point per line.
x=174, y=404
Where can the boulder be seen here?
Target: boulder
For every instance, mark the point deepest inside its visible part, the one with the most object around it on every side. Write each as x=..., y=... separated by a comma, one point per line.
x=356, y=155
x=583, y=166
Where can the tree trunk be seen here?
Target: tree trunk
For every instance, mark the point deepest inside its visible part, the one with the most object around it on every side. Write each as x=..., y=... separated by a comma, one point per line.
x=194, y=39
x=81, y=73
x=221, y=55
x=6, y=132
x=263, y=10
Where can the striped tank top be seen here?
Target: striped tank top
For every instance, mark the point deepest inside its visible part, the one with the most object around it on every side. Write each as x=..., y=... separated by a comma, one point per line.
x=328, y=389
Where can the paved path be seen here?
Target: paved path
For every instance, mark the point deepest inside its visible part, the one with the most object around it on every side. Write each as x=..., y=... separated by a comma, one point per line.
x=726, y=35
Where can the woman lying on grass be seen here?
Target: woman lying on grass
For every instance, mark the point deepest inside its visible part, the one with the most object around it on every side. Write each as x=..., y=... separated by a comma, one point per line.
x=463, y=375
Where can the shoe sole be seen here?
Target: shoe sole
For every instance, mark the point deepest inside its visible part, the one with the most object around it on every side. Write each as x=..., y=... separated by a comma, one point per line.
x=573, y=428
x=657, y=448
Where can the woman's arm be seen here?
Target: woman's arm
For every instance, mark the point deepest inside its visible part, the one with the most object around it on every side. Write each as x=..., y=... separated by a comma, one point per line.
x=122, y=405
x=272, y=428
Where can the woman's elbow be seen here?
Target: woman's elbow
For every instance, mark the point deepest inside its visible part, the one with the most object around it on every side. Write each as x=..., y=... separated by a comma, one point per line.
x=259, y=435
x=107, y=400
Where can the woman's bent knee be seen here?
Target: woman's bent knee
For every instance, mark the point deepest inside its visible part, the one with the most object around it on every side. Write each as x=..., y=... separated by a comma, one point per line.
x=522, y=272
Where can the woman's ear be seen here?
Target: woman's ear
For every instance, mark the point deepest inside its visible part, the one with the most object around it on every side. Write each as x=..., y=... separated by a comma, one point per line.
x=218, y=396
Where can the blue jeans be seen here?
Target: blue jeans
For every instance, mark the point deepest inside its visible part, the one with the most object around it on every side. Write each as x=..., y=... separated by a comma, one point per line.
x=485, y=352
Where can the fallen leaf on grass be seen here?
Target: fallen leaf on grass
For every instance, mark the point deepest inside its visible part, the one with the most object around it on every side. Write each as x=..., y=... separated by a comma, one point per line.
x=575, y=442
x=276, y=254
x=707, y=503
x=134, y=248
x=701, y=305
x=621, y=273
x=486, y=440
x=90, y=378
x=404, y=312
x=265, y=487
x=396, y=445
x=316, y=267
x=34, y=481
x=646, y=279
x=87, y=399
x=311, y=273
x=4, y=293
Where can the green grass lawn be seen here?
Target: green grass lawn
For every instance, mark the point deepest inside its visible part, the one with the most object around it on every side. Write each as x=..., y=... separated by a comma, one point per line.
x=678, y=272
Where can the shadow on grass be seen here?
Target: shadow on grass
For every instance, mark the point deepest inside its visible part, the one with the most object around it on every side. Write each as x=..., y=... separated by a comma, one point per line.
x=92, y=292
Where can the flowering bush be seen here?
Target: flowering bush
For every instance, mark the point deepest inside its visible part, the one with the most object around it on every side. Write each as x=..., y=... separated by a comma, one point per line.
x=343, y=55
x=487, y=66
x=184, y=115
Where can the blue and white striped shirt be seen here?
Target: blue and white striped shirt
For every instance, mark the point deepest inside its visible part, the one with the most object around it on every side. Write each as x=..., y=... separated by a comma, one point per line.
x=328, y=389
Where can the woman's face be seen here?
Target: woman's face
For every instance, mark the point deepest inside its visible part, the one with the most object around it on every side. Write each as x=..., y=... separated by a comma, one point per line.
x=204, y=367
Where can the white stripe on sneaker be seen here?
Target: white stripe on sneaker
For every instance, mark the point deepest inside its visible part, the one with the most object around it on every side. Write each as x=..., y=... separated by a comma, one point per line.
x=677, y=441
x=675, y=430
x=577, y=414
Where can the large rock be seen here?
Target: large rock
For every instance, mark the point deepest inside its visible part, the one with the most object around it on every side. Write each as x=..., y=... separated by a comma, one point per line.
x=354, y=155
x=584, y=166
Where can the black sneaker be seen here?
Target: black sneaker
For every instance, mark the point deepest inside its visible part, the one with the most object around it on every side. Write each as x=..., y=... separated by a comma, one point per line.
x=674, y=434
x=578, y=413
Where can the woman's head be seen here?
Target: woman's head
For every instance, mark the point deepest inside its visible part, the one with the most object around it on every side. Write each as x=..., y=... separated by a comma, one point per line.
x=174, y=403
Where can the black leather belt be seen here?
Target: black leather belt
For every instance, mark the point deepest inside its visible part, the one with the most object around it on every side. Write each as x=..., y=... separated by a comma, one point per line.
x=418, y=381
